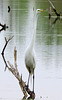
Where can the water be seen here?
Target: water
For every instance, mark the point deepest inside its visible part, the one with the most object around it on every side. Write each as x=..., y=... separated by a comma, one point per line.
x=48, y=47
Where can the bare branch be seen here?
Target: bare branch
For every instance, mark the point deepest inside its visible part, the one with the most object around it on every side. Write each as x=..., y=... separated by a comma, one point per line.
x=6, y=65
x=51, y=4
x=15, y=58
x=6, y=44
x=54, y=9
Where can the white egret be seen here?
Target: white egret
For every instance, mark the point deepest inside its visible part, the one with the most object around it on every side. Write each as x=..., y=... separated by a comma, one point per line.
x=30, y=53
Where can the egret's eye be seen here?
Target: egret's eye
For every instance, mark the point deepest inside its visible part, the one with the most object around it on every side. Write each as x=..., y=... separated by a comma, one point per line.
x=38, y=10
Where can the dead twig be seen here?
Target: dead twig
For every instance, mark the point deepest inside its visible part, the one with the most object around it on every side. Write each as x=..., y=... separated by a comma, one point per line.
x=54, y=9
x=6, y=65
x=15, y=58
x=6, y=44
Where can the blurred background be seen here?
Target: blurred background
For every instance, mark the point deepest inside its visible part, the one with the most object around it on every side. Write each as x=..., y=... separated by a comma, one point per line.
x=48, y=47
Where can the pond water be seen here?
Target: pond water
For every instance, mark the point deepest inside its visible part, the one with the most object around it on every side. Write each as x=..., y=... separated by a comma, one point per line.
x=48, y=48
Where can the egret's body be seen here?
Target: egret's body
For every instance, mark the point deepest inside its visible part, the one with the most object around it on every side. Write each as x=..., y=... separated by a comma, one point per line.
x=30, y=61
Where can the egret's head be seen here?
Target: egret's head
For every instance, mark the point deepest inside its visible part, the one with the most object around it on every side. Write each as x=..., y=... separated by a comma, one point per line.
x=39, y=10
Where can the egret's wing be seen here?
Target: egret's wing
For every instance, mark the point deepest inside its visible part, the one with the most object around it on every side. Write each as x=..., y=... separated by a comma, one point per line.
x=34, y=62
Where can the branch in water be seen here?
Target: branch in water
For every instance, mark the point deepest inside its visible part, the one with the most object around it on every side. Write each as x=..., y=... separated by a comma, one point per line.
x=54, y=9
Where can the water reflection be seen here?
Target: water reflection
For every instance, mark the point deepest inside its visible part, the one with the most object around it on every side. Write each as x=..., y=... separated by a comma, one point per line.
x=54, y=22
x=8, y=9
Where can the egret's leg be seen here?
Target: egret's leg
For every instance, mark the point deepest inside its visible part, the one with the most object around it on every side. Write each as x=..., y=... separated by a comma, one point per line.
x=28, y=80
x=33, y=80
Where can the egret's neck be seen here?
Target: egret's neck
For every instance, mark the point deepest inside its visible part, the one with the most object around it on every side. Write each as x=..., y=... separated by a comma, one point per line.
x=34, y=31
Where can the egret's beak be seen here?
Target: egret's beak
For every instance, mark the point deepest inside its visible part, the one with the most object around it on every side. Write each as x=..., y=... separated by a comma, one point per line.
x=41, y=10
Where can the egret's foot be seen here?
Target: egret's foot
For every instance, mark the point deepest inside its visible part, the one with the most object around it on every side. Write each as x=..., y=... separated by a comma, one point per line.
x=32, y=95
x=32, y=91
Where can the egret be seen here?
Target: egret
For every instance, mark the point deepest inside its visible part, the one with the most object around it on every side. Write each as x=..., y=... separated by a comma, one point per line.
x=30, y=61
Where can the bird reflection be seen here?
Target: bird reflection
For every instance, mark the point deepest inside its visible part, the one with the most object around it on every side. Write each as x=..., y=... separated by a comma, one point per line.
x=3, y=27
